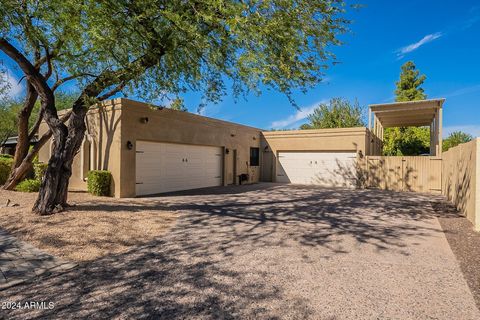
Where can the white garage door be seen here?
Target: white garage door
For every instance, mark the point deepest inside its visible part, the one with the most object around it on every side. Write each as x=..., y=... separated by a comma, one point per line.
x=320, y=168
x=165, y=167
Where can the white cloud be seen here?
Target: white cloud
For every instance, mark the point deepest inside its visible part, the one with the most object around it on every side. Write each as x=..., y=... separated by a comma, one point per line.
x=15, y=88
x=472, y=129
x=462, y=91
x=301, y=114
x=414, y=46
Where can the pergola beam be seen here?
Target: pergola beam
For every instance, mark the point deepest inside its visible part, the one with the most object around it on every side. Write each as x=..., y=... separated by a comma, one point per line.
x=410, y=114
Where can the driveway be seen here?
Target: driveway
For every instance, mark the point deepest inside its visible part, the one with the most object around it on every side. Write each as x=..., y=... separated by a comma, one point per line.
x=272, y=251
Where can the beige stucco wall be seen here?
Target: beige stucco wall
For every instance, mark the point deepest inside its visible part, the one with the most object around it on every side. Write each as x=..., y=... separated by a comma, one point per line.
x=166, y=125
x=326, y=140
x=461, y=179
x=103, y=131
x=117, y=121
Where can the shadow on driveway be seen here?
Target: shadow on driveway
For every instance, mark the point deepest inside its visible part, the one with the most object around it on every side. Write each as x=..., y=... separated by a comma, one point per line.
x=269, y=251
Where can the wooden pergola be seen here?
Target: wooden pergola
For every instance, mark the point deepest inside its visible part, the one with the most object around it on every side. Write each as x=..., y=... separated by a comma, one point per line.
x=409, y=114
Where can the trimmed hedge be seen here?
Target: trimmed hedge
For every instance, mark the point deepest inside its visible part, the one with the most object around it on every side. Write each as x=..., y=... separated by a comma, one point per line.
x=5, y=167
x=98, y=182
x=39, y=169
x=29, y=185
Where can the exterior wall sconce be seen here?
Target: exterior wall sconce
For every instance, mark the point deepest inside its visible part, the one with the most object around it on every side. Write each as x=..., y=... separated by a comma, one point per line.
x=227, y=151
x=254, y=138
x=129, y=145
x=232, y=134
x=144, y=120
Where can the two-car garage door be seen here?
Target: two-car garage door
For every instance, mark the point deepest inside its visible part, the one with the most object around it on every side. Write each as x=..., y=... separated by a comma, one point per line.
x=165, y=167
x=332, y=169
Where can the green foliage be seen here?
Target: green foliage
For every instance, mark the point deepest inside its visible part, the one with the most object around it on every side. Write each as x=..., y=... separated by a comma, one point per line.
x=338, y=113
x=5, y=167
x=39, y=169
x=409, y=85
x=8, y=120
x=9, y=109
x=410, y=141
x=455, y=138
x=407, y=141
x=28, y=185
x=7, y=156
x=177, y=104
x=160, y=48
x=98, y=182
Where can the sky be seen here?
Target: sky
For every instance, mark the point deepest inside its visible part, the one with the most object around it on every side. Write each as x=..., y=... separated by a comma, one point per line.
x=441, y=37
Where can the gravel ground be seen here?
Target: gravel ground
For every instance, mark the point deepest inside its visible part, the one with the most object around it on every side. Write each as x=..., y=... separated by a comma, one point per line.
x=92, y=228
x=271, y=252
x=465, y=244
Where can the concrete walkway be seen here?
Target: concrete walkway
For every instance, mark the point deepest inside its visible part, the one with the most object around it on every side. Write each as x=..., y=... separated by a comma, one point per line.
x=271, y=252
x=19, y=261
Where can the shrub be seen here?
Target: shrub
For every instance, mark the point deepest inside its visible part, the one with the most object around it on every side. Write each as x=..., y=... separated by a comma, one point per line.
x=39, y=169
x=5, y=166
x=6, y=156
x=98, y=182
x=29, y=185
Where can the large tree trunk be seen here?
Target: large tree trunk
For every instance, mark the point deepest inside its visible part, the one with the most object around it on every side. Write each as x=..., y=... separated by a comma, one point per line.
x=53, y=194
x=18, y=171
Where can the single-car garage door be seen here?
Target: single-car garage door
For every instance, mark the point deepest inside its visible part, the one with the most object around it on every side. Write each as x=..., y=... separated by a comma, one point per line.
x=164, y=167
x=332, y=169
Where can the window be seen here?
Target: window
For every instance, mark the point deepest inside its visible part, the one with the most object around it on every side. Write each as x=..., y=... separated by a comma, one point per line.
x=254, y=156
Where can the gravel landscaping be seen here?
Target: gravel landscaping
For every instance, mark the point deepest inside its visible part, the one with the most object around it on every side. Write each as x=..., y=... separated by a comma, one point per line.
x=92, y=228
x=464, y=242
x=270, y=252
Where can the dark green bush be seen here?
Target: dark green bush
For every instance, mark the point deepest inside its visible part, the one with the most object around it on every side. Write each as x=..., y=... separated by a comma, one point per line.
x=39, y=169
x=6, y=156
x=5, y=166
x=29, y=185
x=98, y=182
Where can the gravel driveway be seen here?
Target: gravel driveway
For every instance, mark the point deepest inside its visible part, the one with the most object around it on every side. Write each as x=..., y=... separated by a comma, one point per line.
x=272, y=251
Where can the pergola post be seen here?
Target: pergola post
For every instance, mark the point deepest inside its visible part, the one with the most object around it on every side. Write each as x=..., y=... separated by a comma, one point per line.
x=440, y=141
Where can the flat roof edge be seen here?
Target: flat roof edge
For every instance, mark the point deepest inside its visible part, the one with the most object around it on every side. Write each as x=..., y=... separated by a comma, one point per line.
x=425, y=101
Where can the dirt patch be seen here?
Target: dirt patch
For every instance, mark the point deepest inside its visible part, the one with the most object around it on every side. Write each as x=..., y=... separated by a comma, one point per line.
x=464, y=242
x=93, y=227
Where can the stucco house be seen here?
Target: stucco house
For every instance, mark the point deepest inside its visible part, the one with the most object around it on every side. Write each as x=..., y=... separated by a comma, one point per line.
x=152, y=150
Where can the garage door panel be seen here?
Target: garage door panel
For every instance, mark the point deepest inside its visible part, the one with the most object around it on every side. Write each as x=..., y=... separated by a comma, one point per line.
x=165, y=167
x=319, y=168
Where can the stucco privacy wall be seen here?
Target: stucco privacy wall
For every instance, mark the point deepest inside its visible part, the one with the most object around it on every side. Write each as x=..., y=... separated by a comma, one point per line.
x=461, y=179
x=100, y=149
x=325, y=140
x=166, y=125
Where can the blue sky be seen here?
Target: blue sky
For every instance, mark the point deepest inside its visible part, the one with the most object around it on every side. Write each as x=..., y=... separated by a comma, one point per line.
x=441, y=37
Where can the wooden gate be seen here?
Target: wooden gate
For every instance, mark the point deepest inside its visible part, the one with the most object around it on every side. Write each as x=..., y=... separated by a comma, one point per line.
x=418, y=173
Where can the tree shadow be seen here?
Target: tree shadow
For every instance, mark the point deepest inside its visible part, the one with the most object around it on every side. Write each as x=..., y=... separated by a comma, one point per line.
x=204, y=267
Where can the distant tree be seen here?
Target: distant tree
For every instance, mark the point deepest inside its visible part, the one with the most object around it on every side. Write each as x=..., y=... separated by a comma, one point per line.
x=8, y=123
x=11, y=108
x=177, y=104
x=338, y=113
x=407, y=141
x=409, y=86
x=455, y=138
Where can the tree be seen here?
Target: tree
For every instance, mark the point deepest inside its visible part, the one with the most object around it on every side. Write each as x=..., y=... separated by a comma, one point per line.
x=153, y=47
x=177, y=104
x=409, y=86
x=407, y=140
x=455, y=138
x=338, y=113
